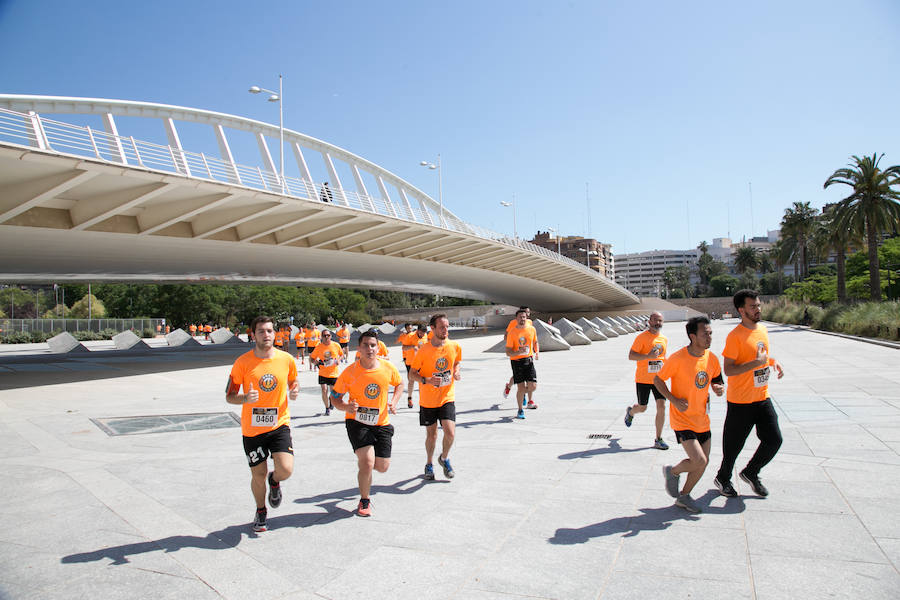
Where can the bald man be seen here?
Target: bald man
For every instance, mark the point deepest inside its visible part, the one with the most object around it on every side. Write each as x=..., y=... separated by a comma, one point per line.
x=649, y=351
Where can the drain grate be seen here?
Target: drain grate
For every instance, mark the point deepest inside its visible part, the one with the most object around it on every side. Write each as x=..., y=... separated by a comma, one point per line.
x=599, y=436
x=113, y=426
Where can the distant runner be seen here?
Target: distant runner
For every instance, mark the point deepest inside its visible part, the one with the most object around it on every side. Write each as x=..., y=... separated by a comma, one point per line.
x=326, y=356
x=522, y=349
x=649, y=350
x=343, y=338
x=510, y=383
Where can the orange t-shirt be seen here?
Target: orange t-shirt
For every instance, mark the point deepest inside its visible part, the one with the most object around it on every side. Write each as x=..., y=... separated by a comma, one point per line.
x=330, y=354
x=741, y=346
x=691, y=376
x=299, y=338
x=193, y=329
x=279, y=339
x=370, y=388
x=643, y=344
x=312, y=337
x=271, y=377
x=522, y=341
x=512, y=324
x=437, y=360
x=343, y=335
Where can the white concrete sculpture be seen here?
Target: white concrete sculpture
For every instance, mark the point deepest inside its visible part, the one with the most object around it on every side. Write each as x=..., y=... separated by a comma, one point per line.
x=572, y=333
x=591, y=330
x=605, y=328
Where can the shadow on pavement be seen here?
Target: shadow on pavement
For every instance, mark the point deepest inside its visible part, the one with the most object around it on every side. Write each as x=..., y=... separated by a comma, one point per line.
x=613, y=448
x=651, y=519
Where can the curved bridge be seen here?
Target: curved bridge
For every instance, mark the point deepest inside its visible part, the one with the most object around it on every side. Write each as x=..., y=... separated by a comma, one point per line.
x=80, y=203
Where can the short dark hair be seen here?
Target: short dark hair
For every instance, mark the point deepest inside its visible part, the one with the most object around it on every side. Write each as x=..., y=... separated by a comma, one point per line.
x=693, y=324
x=261, y=319
x=522, y=310
x=741, y=297
x=434, y=319
x=372, y=333
x=326, y=332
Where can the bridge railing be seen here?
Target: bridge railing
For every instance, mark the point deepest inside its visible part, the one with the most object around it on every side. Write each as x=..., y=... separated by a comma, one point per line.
x=30, y=129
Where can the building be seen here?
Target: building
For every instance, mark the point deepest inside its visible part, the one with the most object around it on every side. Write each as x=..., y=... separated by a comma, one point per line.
x=580, y=249
x=641, y=273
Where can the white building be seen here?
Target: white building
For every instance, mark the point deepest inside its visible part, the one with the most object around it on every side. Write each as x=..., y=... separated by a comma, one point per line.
x=641, y=273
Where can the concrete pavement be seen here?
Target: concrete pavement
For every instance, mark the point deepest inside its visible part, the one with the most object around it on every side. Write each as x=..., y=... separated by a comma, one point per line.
x=538, y=509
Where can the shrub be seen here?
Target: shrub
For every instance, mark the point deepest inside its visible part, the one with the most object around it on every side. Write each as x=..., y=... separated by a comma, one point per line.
x=872, y=319
x=148, y=333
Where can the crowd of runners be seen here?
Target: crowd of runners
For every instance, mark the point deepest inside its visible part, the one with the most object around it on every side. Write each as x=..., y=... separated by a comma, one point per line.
x=368, y=389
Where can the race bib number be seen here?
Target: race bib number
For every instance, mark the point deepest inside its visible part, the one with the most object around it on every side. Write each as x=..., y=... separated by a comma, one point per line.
x=654, y=366
x=264, y=417
x=446, y=378
x=366, y=415
x=761, y=377
x=328, y=363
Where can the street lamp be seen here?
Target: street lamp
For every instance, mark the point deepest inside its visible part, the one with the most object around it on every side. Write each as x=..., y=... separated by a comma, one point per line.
x=437, y=166
x=588, y=252
x=558, y=244
x=513, y=204
x=279, y=98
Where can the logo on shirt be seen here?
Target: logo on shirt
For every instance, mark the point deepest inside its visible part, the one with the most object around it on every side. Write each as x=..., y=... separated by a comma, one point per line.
x=327, y=354
x=760, y=346
x=268, y=382
x=372, y=391
x=522, y=340
x=440, y=364
x=658, y=348
x=701, y=379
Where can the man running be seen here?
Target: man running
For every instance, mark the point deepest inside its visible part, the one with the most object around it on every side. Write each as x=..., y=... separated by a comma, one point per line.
x=268, y=378
x=326, y=356
x=747, y=363
x=510, y=383
x=343, y=338
x=300, y=341
x=409, y=341
x=367, y=421
x=649, y=350
x=436, y=368
x=693, y=371
x=522, y=349
x=312, y=335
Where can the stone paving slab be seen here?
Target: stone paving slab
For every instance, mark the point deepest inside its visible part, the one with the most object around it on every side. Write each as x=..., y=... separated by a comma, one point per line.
x=537, y=510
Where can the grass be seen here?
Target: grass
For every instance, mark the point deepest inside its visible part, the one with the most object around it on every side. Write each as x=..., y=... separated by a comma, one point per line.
x=866, y=319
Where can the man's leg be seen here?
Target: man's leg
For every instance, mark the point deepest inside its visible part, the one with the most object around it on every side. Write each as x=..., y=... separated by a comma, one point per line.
x=366, y=461
x=430, y=442
x=769, y=434
x=325, y=401
x=284, y=466
x=695, y=463
x=660, y=416
x=520, y=394
x=449, y=428
x=734, y=433
x=258, y=476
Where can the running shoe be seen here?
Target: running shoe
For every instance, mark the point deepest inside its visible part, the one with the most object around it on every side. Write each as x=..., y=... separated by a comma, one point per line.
x=429, y=472
x=327, y=411
x=686, y=502
x=758, y=488
x=520, y=414
x=274, y=492
x=671, y=481
x=448, y=470
x=409, y=403
x=531, y=404
x=365, y=508
x=628, y=417
x=506, y=389
x=659, y=444
x=725, y=488
x=259, y=521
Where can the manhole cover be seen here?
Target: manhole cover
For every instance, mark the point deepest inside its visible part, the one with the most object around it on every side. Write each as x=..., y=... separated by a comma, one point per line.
x=165, y=423
x=599, y=436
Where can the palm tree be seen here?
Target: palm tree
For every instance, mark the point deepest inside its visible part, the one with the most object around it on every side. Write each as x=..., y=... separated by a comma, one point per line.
x=872, y=208
x=745, y=258
x=797, y=228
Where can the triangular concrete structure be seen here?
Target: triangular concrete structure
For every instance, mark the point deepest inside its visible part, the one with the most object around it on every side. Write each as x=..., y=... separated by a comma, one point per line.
x=387, y=328
x=572, y=333
x=591, y=330
x=128, y=340
x=364, y=327
x=549, y=337
x=65, y=343
x=605, y=328
x=616, y=326
x=224, y=336
x=181, y=338
x=624, y=324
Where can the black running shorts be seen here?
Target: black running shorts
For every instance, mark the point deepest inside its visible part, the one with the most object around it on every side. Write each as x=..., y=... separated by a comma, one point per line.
x=687, y=434
x=643, y=393
x=430, y=416
x=362, y=435
x=327, y=380
x=523, y=370
x=259, y=447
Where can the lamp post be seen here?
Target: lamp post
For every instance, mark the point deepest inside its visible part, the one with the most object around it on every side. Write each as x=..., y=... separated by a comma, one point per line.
x=558, y=243
x=588, y=252
x=279, y=98
x=513, y=204
x=437, y=166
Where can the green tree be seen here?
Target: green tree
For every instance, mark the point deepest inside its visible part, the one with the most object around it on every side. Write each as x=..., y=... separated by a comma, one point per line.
x=833, y=235
x=797, y=228
x=677, y=278
x=872, y=208
x=19, y=303
x=88, y=307
x=748, y=279
x=724, y=285
x=745, y=258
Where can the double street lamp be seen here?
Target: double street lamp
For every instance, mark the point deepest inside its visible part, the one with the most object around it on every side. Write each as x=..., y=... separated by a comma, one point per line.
x=279, y=98
x=513, y=204
x=558, y=242
x=437, y=166
x=588, y=252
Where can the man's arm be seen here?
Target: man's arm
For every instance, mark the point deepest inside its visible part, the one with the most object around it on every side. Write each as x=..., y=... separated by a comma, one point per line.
x=663, y=389
x=249, y=397
x=398, y=390
x=730, y=368
x=337, y=400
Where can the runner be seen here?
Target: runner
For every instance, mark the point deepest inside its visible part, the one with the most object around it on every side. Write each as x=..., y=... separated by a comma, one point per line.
x=300, y=342
x=343, y=337
x=268, y=378
x=279, y=339
x=367, y=421
x=649, y=350
x=693, y=371
x=312, y=335
x=510, y=383
x=382, y=348
x=436, y=368
x=747, y=362
x=327, y=355
x=522, y=349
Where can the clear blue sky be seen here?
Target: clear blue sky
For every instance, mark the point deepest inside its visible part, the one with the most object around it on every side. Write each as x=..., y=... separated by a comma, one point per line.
x=667, y=110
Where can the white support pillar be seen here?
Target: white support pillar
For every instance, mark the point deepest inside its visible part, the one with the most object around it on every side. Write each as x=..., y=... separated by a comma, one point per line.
x=385, y=196
x=361, y=188
x=225, y=153
x=305, y=175
x=425, y=213
x=268, y=163
x=336, y=187
x=175, y=143
x=115, y=144
x=409, y=208
x=38, y=137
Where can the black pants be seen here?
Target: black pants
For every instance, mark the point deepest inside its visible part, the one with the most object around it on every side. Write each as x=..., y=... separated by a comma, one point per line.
x=739, y=421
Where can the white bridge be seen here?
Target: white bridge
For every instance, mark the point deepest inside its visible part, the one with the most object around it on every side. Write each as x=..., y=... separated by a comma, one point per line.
x=81, y=203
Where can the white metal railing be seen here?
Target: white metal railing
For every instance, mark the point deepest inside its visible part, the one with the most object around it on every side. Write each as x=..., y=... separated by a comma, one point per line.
x=30, y=129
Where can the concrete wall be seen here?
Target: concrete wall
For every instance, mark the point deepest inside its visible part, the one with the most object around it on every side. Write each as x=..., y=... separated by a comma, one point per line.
x=717, y=305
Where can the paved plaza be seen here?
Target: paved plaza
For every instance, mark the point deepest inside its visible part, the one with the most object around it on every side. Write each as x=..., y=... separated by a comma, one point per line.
x=538, y=508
